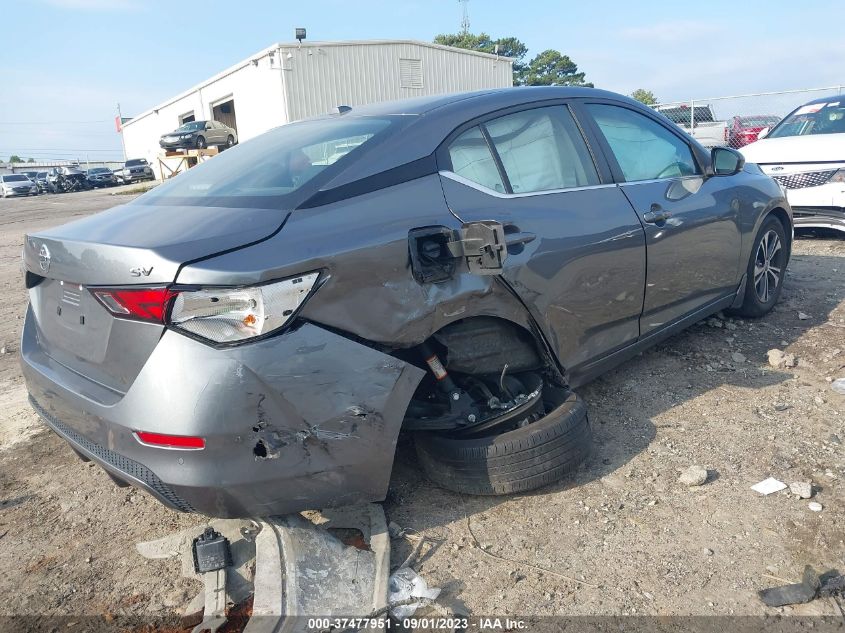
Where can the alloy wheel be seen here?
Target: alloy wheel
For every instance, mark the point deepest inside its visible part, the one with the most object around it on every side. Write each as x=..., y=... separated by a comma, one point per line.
x=767, y=266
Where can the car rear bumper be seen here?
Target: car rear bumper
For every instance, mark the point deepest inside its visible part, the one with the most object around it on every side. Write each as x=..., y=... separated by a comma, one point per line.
x=304, y=420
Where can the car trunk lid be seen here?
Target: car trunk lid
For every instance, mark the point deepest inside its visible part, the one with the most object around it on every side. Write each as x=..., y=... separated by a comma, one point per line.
x=133, y=245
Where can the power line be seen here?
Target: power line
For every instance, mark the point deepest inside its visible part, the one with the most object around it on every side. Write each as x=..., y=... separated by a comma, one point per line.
x=58, y=150
x=54, y=122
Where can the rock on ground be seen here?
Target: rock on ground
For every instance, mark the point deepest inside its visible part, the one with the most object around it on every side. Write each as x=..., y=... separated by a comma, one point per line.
x=693, y=476
x=803, y=489
x=780, y=359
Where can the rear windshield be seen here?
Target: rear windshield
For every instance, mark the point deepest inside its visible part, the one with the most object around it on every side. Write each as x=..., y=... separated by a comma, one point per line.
x=681, y=114
x=813, y=118
x=270, y=167
x=99, y=170
x=15, y=178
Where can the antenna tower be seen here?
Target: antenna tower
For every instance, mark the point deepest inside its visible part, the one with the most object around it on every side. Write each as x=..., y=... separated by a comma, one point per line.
x=464, y=16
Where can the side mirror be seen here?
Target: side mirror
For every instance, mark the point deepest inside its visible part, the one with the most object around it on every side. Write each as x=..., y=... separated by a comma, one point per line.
x=208, y=126
x=726, y=161
x=763, y=133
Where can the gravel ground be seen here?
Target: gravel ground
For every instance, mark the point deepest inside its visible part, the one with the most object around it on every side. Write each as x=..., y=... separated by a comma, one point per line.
x=622, y=537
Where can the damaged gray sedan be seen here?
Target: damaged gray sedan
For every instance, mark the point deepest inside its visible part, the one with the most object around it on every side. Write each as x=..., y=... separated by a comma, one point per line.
x=251, y=337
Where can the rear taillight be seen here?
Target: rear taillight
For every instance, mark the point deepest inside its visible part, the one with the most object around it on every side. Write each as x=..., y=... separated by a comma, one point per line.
x=218, y=315
x=141, y=304
x=234, y=315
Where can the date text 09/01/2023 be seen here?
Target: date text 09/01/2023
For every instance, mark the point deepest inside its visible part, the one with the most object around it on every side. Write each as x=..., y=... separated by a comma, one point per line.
x=432, y=623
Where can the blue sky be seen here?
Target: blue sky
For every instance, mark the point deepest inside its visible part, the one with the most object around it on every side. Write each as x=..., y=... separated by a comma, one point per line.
x=64, y=64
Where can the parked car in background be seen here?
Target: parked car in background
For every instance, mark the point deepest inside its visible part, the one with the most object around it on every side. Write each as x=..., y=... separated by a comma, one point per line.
x=805, y=153
x=41, y=182
x=30, y=174
x=134, y=170
x=703, y=125
x=298, y=321
x=743, y=130
x=17, y=185
x=66, y=179
x=101, y=177
x=199, y=134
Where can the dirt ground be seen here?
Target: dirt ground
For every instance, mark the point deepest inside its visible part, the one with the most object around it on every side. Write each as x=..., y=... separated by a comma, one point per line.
x=622, y=537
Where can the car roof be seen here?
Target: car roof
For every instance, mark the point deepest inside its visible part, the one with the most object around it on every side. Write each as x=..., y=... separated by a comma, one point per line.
x=437, y=116
x=470, y=100
x=825, y=99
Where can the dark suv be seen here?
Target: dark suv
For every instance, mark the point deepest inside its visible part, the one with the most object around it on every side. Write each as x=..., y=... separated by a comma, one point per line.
x=199, y=134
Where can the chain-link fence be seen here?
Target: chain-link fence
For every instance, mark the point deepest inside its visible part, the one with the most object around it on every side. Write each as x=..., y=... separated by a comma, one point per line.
x=739, y=120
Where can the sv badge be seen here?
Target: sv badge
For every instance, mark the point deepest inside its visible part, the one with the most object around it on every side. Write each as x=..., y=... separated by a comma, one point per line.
x=140, y=270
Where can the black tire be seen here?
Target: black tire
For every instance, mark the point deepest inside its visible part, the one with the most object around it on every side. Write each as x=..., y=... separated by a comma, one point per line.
x=758, y=302
x=230, y=140
x=520, y=460
x=200, y=142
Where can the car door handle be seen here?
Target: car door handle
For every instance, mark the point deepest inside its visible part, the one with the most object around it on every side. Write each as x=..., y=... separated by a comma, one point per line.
x=656, y=215
x=515, y=239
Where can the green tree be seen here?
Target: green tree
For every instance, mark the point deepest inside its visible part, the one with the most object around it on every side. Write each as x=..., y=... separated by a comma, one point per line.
x=509, y=47
x=14, y=158
x=551, y=68
x=30, y=160
x=644, y=96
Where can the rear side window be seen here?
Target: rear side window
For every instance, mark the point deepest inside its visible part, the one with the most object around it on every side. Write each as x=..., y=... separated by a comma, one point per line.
x=270, y=166
x=471, y=159
x=644, y=149
x=542, y=150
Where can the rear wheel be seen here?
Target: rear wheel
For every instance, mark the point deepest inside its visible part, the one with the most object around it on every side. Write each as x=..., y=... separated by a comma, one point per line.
x=521, y=459
x=766, y=269
x=200, y=142
x=230, y=140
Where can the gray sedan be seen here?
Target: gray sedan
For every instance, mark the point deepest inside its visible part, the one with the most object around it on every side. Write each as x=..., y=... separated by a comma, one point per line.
x=17, y=185
x=250, y=338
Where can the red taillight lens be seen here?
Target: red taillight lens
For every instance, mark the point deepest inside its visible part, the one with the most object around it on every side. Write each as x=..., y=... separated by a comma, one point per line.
x=170, y=441
x=143, y=304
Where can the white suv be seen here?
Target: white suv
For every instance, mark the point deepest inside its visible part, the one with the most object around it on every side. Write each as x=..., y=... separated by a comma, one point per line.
x=805, y=153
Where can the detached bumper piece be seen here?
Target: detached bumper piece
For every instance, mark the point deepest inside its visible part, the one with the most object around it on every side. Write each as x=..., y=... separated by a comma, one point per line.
x=329, y=565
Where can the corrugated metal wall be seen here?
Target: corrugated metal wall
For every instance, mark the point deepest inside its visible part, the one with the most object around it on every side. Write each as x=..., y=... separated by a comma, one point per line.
x=319, y=78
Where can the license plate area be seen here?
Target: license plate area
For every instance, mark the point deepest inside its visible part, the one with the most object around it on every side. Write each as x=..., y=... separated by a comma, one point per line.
x=71, y=319
x=70, y=302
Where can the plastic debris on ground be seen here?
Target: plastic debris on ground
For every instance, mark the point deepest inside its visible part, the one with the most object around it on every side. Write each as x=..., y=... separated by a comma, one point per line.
x=277, y=571
x=813, y=585
x=407, y=592
x=768, y=486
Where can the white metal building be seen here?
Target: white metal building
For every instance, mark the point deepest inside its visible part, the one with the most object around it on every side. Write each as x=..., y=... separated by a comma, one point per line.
x=288, y=82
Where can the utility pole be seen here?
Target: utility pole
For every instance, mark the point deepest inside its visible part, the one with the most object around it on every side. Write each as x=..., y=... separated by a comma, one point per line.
x=464, y=16
x=122, y=142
